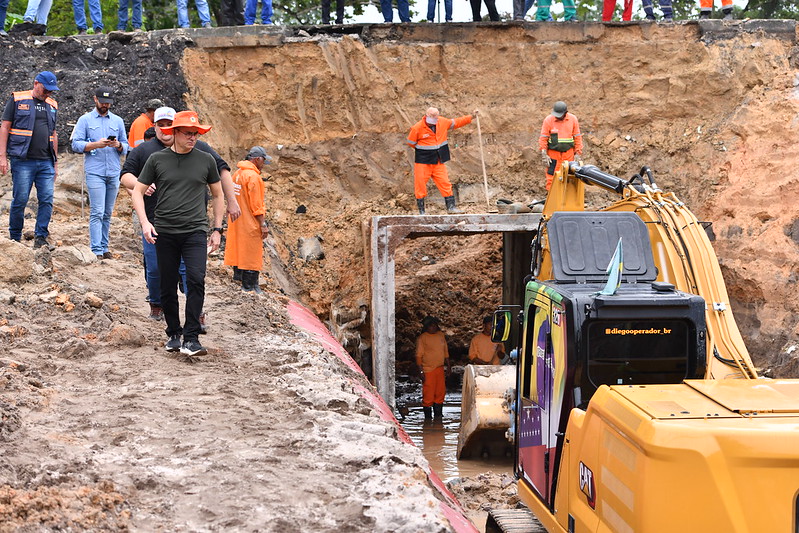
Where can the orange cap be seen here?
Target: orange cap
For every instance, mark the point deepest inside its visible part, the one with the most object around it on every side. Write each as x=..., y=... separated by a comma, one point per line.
x=187, y=119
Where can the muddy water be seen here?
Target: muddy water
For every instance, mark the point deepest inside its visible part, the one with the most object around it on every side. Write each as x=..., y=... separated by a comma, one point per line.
x=438, y=440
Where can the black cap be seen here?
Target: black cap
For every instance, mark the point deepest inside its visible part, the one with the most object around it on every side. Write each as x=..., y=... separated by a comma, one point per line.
x=428, y=320
x=104, y=95
x=559, y=109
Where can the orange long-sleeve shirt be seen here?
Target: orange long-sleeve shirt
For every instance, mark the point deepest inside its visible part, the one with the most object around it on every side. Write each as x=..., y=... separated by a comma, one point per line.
x=431, y=351
x=567, y=130
x=137, y=129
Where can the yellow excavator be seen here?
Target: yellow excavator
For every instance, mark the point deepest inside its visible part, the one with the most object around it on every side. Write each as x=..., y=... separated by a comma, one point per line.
x=636, y=406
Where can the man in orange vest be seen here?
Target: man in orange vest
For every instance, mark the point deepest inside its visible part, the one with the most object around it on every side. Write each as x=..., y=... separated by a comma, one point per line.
x=432, y=358
x=429, y=139
x=244, y=248
x=560, y=140
x=143, y=123
x=484, y=351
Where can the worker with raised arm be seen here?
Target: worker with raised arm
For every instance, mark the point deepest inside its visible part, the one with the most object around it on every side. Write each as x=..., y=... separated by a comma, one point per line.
x=560, y=140
x=428, y=137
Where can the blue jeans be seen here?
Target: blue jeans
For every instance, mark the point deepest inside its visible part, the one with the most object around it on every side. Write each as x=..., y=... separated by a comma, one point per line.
x=152, y=275
x=102, y=195
x=3, y=9
x=431, y=10
x=25, y=173
x=202, y=10
x=252, y=7
x=402, y=9
x=37, y=11
x=95, y=12
x=122, y=14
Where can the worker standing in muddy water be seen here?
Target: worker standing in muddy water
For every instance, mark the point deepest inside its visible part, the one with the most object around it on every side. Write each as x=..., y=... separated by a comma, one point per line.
x=29, y=143
x=484, y=351
x=429, y=139
x=181, y=175
x=244, y=247
x=100, y=136
x=432, y=358
x=560, y=140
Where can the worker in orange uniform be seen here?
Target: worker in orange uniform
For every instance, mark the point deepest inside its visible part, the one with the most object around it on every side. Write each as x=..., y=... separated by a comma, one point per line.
x=432, y=357
x=143, y=122
x=484, y=351
x=706, y=7
x=244, y=248
x=560, y=140
x=429, y=138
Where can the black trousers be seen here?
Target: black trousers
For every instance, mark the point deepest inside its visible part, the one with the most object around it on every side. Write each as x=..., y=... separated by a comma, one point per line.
x=232, y=12
x=492, y=10
x=192, y=247
x=326, y=11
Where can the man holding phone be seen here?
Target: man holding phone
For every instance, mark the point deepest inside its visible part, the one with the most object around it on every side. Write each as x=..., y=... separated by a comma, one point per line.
x=100, y=136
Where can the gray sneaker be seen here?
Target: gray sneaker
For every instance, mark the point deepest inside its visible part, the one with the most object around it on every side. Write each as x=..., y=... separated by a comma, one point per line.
x=192, y=348
x=173, y=344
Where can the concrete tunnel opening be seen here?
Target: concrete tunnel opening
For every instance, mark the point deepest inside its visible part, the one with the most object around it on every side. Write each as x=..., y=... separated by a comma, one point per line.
x=508, y=235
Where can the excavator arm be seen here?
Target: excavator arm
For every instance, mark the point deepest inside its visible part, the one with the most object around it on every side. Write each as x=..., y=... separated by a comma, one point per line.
x=681, y=248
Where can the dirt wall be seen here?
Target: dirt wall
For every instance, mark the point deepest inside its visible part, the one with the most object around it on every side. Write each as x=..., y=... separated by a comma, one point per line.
x=710, y=107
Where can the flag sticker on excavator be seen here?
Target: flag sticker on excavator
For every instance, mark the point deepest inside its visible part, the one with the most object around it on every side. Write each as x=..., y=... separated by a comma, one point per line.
x=587, y=484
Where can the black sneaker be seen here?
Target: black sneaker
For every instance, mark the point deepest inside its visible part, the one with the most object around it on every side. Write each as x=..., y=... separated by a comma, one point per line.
x=192, y=348
x=173, y=344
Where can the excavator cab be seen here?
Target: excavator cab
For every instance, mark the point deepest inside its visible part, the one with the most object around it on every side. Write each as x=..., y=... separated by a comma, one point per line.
x=578, y=335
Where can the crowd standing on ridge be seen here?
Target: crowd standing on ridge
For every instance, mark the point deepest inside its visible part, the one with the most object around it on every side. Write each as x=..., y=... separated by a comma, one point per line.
x=245, y=12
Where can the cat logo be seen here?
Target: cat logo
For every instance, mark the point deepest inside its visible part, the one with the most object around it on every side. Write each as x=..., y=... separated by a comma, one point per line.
x=587, y=484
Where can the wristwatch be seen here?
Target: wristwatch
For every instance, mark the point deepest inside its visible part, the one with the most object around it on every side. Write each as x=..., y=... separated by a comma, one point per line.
x=220, y=230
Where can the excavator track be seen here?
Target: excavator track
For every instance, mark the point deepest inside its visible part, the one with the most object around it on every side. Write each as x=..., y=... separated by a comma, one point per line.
x=513, y=521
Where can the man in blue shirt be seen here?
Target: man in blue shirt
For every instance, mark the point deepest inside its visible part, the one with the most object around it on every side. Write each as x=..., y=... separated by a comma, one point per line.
x=100, y=135
x=29, y=144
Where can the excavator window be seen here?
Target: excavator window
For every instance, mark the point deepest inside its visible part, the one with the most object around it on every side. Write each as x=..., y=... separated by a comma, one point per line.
x=623, y=352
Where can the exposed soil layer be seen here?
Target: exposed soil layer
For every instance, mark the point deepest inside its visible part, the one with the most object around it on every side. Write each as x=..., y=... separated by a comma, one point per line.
x=100, y=430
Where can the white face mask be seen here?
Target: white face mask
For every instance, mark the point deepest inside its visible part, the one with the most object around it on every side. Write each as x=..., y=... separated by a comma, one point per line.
x=431, y=120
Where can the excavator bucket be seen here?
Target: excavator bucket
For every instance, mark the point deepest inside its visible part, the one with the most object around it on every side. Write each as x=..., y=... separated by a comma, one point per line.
x=485, y=413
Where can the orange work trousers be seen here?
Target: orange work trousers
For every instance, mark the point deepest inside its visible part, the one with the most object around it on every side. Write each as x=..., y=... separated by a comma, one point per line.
x=434, y=387
x=422, y=174
x=559, y=157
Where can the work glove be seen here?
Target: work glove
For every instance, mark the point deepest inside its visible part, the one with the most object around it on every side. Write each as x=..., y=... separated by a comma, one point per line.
x=544, y=158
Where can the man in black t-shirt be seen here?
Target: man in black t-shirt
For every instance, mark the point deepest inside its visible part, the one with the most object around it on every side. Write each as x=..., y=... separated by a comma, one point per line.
x=29, y=143
x=131, y=170
x=181, y=175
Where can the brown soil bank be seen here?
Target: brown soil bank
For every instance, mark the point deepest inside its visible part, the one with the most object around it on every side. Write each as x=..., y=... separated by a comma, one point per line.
x=711, y=107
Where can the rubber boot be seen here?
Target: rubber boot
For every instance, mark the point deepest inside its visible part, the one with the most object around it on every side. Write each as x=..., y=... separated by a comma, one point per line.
x=236, y=274
x=450, y=201
x=249, y=281
x=438, y=410
x=428, y=413
x=420, y=205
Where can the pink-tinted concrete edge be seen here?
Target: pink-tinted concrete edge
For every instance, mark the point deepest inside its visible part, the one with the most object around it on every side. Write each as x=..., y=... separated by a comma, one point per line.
x=304, y=319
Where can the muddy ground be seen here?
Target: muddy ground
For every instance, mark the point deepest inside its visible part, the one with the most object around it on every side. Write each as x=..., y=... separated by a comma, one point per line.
x=101, y=430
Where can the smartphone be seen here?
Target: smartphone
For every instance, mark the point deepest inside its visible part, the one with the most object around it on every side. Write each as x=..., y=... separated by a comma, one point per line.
x=112, y=137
